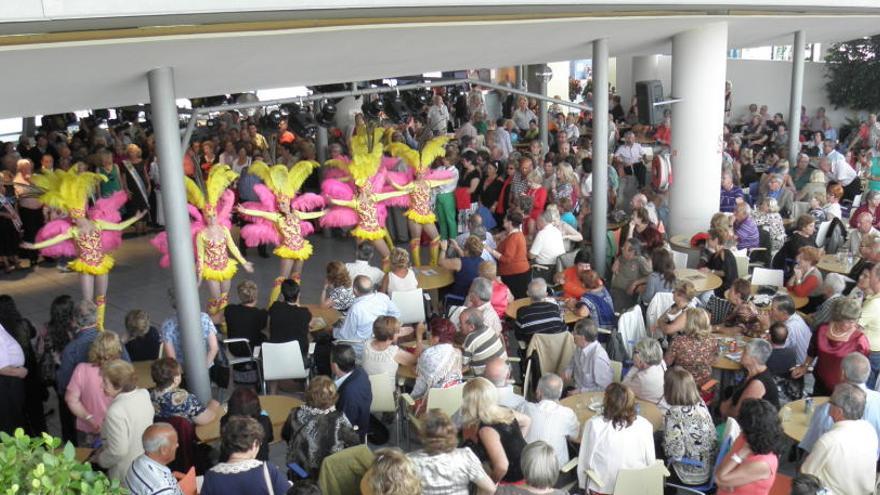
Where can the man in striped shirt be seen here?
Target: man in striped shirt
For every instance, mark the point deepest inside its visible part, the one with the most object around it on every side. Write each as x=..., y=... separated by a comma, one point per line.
x=540, y=316
x=481, y=343
x=149, y=474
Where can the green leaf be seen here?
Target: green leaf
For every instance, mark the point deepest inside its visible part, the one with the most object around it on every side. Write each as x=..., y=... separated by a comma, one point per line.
x=69, y=452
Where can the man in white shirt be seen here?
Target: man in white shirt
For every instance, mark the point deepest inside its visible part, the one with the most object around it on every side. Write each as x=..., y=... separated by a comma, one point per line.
x=837, y=169
x=590, y=368
x=548, y=244
x=628, y=158
x=362, y=266
x=149, y=473
x=367, y=306
x=438, y=116
x=552, y=422
x=497, y=371
x=782, y=310
x=844, y=459
x=864, y=228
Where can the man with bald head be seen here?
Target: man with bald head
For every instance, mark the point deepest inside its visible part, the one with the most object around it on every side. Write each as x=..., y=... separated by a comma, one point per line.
x=149, y=474
x=497, y=371
x=551, y=422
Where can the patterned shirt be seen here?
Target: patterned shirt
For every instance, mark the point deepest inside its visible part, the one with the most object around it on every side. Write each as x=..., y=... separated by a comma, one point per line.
x=449, y=473
x=481, y=347
x=176, y=402
x=148, y=477
x=690, y=433
x=170, y=332
x=745, y=316
x=696, y=355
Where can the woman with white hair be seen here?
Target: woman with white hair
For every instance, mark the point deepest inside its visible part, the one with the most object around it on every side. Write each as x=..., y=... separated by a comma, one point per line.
x=832, y=288
x=759, y=382
x=541, y=470
x=645, y=377
x=767, y=217
x=870, y=204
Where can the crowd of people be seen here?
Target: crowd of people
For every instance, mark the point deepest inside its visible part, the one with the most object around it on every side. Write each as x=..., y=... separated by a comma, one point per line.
x=507, y=217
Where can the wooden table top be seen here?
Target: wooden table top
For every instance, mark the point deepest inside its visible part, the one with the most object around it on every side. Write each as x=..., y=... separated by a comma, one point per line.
x=702, y=281
x=144, y=377
x=795, y=421
x=433, y=277
x=799, y=302
x=329, y=315
x=831, y=263
x=568, y=316
x=580, y=403
x=278, y=407
x=681, y=241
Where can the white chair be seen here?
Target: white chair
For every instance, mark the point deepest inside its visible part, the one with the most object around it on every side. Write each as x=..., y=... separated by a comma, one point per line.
x=631, y=326
x=857, y=201
x=799, y=208
x=447, y=400
x=283, y=362
x=659, y=303
x=644, y=481
x=383, y=397
x=680, y=260
x=742, y=266
x=616, y=371
x=411, y=304
x=763, y=276
x=822, y=233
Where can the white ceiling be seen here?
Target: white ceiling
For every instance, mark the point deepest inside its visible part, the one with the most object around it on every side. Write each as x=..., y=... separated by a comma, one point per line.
x=96, y=74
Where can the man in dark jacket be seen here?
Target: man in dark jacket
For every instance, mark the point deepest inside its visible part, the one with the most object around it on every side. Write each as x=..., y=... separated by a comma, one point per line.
x=353, y=388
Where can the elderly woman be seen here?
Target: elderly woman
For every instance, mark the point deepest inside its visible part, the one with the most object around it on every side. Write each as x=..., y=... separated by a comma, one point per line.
x=498, y=433
x=501, y=295
x=831, y=342
x=244, y=401
x=629, y=274
x=317, y=429
x=596, y=303
x=541, y=470
x=832, y=289
x=85, y=392
x=806, y=279
x=750, y=465
x=864, y=227
x=833, y=193
x=716, y=258
x=170, y=400
x=444, y=468
x=439, y=365
x=816, y=185
x=731, y=194
x=662, y=277
x=870, y=204
x=804, y=228
x=129, y=414
x=401, y=275
x=743, y=319
x=645, y=377
x=688, y=431
x=767, y=217
x=30, y=209
x=337, y=293
x=512, y=255
x=392, y=473
x=465, y=268
x=673, y=319
x=243, y=473
x=614, y=440
x=381, y=353
x=758, y=383
x=694, y=350
x=777, y=191
x=744, y=227
x=645, y=231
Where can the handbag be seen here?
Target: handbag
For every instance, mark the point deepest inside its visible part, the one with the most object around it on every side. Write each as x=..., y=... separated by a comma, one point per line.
x=268, y=479
x=462, y=198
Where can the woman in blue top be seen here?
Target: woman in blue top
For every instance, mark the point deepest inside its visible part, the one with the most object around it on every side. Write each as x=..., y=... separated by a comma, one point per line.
x=596, y=303
x=466, y=267
x=243, y=473
x=662, y=278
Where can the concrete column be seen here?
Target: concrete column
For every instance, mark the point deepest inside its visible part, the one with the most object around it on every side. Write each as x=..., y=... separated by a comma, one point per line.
x=599, y=204
x=645, y=68
x=796, y=96
x=543, y=122
x=520, y=77
x=699, y=68
x=183, y=266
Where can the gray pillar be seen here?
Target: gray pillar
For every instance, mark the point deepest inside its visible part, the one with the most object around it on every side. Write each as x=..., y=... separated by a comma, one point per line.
x=543, y=121
x=520, y=78
x=796, y=97
x=321, y=145
x=183, y=266
x=599, y=213
x=29, y=126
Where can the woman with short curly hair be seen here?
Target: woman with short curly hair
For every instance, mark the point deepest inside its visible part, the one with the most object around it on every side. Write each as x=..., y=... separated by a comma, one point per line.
x=750, y=465
x=243, y=473
x=337, y=293
x=401, y=276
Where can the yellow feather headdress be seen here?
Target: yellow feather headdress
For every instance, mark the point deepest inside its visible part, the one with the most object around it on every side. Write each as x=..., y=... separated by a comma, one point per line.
x=67, y=190
x=281, y=180
x=364, y=160
x=219, y=178
x=420, y=161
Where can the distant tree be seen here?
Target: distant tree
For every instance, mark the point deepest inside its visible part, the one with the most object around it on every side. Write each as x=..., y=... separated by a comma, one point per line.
x=853, y=72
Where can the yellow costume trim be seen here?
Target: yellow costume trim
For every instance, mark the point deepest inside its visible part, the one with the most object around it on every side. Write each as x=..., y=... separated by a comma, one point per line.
x=101, y=303
x=419, y=218
x=370, y=235
x=289, y=254
x=220, y=275
x=80, y=266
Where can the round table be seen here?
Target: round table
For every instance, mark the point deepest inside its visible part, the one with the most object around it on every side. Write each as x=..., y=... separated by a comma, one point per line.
x=568, y=315
x=142, y=371
x=799, y=302
x=795, y=421
x=681, y=241
x=433, y=277
x=278, y=407
x=702, y=281
x=579, y=404
x=830, y=263
x=329, y=315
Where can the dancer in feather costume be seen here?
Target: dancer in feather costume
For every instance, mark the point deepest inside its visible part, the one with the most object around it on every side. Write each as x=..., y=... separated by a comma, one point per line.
x=418, y=184
x=281, y=217
x=86, y=235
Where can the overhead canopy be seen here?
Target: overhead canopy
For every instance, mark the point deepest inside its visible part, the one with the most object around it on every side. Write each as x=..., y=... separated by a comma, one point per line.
x=78, y=63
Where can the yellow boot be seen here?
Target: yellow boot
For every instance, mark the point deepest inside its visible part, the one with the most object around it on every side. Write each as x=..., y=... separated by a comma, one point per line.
x=388, y=241
x=386, y=264
x=415, y=247
x=435, y=251
x=223, y=302
x=101, y=303
x=276, y=291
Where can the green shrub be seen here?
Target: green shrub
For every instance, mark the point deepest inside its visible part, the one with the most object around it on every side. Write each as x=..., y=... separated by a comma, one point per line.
x=37, y=466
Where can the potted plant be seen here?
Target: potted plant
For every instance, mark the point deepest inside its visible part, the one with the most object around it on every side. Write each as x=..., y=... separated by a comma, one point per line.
x=39, y=466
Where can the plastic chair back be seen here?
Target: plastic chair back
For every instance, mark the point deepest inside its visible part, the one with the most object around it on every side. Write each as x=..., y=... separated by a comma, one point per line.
x=283, y=361
x=631, y=326
x=680, y=259
x=644, y=481
x=822, y=233
x=447, y=399
x=659, y=303
x=411, y=304
x=742, y=266
x=616, y=371
x=383, y=393
x=763, y=276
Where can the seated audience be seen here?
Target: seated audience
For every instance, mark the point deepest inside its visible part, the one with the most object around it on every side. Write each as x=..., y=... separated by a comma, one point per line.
x=401, y=275
x=673, y=319
x=85, y=395
x=317, y=429
x=244, y=401
x=782, y=196
x=833, y=193
x=551, y=422
x=864, y=226
x=444, y=468
x=439, y=365
x=361, y=264
x=570, y=278
x=465, y=267
x=143, y=339
x=501, y=295
x=243, y=473
x=694, y=349
x=381, y=353
x=540, y=468
x=743, y=319
x=799, y=334
x=479, y=298
x=355, y=392
x=368, y=305
x=744, y=227
x=590, y=368
x=750, y=465
x=731, y=194
x=616, y=439
x=481, y=343
x=129, y=415
x=645, y=231
x=804, y=229
x=246, y=320
x=149, y=473
x=596, y=303
x=171, y=335
x=629, y=274
x=767, y=217
x=871, y=205
x=170, y=400
x=688, y=431
x=288, y=321
x=337, y=292
x=716, y=258
x=758, y=383
x=806, y=279
x=496, y=432
x=541, y=315
x=498, y=373
x=662, y=277
x=845, y=458
x=832, y=289
x=392, y=473
x=782, y=359
x=645, y=377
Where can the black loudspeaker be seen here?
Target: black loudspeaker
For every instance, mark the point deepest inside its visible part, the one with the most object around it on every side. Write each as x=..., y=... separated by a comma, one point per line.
x=648, y=93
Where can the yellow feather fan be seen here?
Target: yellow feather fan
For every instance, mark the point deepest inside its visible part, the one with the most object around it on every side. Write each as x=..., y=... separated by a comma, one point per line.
x=281, y=180
x=219, y=179
x=420, y=161
x=67, y=190
x=194, y=195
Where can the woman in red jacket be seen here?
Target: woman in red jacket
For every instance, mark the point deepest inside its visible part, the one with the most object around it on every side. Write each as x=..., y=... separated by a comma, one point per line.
x=806, y=279
x=512, y=255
